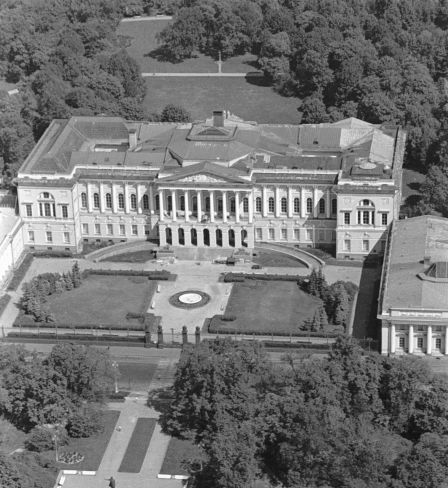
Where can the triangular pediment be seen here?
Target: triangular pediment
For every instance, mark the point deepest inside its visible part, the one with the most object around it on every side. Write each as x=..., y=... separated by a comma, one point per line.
x=205, y=173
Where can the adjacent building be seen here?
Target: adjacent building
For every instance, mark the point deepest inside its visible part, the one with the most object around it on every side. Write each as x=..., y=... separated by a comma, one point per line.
x=413, y=301
x=222, y=182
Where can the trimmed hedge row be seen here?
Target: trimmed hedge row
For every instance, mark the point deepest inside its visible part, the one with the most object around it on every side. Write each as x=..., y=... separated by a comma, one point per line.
x=296, y=345
x=241, y=277
x=77, y=337
x=163, y=275
x=52, y=325
x=20, y=272
x=4, y=300
x=214, y=327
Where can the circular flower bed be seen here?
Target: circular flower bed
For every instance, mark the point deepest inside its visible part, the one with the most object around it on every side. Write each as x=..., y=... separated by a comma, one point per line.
x=189, y=299
x=70, y=457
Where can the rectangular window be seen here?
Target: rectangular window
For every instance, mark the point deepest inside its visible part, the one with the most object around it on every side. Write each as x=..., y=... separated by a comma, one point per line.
x=121, y=201
x=49, y=236
x=309, y=234
x=347, y=218
x=259, y=233
x=64, y=211
x=347, y=245
x=420, y=342
x=401, y=342
x=258, y=204
x=134, y=230
x=284, y=234
x=321, y=235
x=85, y=228
x=365, y=245
x=122, y=230
x=31, y=235
x=271, y=234
x=271, y=205
x=47, y=208
x=365, y=218
x=438, y=343
x=97, y=228
x=384, y=219
x=29, y=210
x=297, y=234
x=66, y=237
x=110, y=229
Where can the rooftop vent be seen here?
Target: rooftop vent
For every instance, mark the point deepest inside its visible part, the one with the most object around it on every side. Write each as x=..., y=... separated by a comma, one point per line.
x=218, y=118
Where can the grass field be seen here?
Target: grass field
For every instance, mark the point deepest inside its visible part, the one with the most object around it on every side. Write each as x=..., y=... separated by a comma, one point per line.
x=200, y=96
x=102, y=300
x=179, y=451
x=130, y=257
x=138, y=445
x=268, y=307
x=92, y=448
x=277, y=259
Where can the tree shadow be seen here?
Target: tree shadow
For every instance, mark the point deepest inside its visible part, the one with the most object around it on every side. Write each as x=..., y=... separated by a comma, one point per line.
x=257, y=78
x=414, y=185
x=160, y=399
x=163, y=54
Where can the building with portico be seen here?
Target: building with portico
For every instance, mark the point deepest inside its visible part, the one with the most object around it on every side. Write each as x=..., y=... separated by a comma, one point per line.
x=219, y=183
x=413, y=301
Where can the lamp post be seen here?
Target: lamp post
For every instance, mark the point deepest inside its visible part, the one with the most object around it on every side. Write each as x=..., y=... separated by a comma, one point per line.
x=115, y=367
x=55, y=440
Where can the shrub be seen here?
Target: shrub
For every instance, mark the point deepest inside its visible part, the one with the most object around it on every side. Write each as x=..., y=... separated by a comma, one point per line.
x=41, y=439
x=228, y=318
x=85, y=424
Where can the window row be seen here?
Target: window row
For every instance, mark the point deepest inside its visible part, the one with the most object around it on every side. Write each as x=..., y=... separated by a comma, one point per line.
x=120, y=201
x=47, y=210
x=366, y=217
x=109, y=229
x=322, y=205
x=310, y=234
x=48, y=237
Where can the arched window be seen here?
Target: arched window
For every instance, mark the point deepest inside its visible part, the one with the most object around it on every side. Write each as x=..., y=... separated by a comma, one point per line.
x=258, y=204
x=309, y=205
x=96, y=200
x=84, y=200
x=322, y=206
x=121, y=201
x=47, y=206
x=245, y=205
x=108, y=200
x=296, y=205
x=334, y=206
x=145, y=202
x=271, y=204
x=366, y=203
x=284, y=205
x=133, y=201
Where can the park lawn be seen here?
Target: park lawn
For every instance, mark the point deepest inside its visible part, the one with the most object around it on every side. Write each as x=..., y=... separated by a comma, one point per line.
x=130, y=257
x=102, y=300
x=269, y=307
x=142, y=36
x=200, y=96
x=136, y=376
x=276, y=259
x=179, y=451
x=94, y=447
x=138, y=445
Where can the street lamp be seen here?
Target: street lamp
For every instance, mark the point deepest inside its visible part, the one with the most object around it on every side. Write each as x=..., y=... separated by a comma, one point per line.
x=55, y=440
x=115, y=367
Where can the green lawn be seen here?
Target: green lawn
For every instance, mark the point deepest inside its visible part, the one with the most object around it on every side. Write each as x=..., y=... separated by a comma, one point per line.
x=102, y=300
x=142, y=37
x=200, y=96
x=267, y=306
x=138, y=445
x=92, y=448
x=130, y=257
x=276, y=259
x=179, y=451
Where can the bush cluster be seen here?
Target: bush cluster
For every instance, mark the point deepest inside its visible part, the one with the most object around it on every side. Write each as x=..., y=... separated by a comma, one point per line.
x=41, y=438
x=27, y=321
x=4, y=300
x=85, y=424
x=241, y=277
x=151, y=275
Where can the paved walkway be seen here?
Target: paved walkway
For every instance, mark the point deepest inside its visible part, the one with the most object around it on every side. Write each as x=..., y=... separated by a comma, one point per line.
x=195, y=75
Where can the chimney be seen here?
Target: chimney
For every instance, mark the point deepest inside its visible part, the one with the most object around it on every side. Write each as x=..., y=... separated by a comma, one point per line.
x=132, y=138
x=218, y=118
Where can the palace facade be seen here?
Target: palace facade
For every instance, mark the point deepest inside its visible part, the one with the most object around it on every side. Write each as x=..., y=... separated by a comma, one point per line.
x=222, y=182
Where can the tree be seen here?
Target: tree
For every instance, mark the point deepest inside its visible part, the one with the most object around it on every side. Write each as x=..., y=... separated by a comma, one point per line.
x=76, y=275
x=128, y=71
x=10, y=476
x=174, y=113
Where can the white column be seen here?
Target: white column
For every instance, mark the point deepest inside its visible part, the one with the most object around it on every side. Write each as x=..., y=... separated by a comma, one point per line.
x=114, y=198
x=89, y=197
x=392, y=338
x=237, y=231
x=187, y=207
x=237, y=206
x=277, y=201
x=212, y=207
x=315, y=203
x=290, y=202
x=126, y=198
x=411, y=339
x=102, y=197
x=328, y=205
x=429, y=340
x=173, y=205
x=161, y=197
x=151, y=199
x=139, y=199
x=445, y=345
x=265, y=202
x=251, y=208
x=199, y=195
x=224, y=207
x=302, y=203
x=174, y=236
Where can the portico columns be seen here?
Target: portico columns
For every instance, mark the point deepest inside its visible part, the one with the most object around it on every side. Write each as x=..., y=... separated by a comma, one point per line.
x=265, y=202
x=101, y=198
x=126, y=198
x=302, y=203
x=224, y=207
x=429, y=340
x=290, y=202
x=173, y=205
x=251, y=208
x=237, y=206
x=114, y=198
x=411, y=339
x=199, y=203
x=392, y=338
x=212, y=206
x=277, y=201
x=315, y=203
x=187, y=207
x=161, y=197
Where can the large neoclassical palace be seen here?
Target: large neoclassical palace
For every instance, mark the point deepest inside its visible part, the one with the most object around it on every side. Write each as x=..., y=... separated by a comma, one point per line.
x=222, y=182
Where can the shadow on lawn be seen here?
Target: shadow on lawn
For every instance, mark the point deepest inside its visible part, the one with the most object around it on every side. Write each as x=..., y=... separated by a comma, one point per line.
x=163, y=55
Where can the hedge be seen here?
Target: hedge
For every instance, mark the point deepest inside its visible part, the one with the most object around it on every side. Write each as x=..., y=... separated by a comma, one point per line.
x=4, y=300
x=53, y=254
x=20, y=272
x=241, y=277
x=76, y=337
x=21, y=321
x=152, y=275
